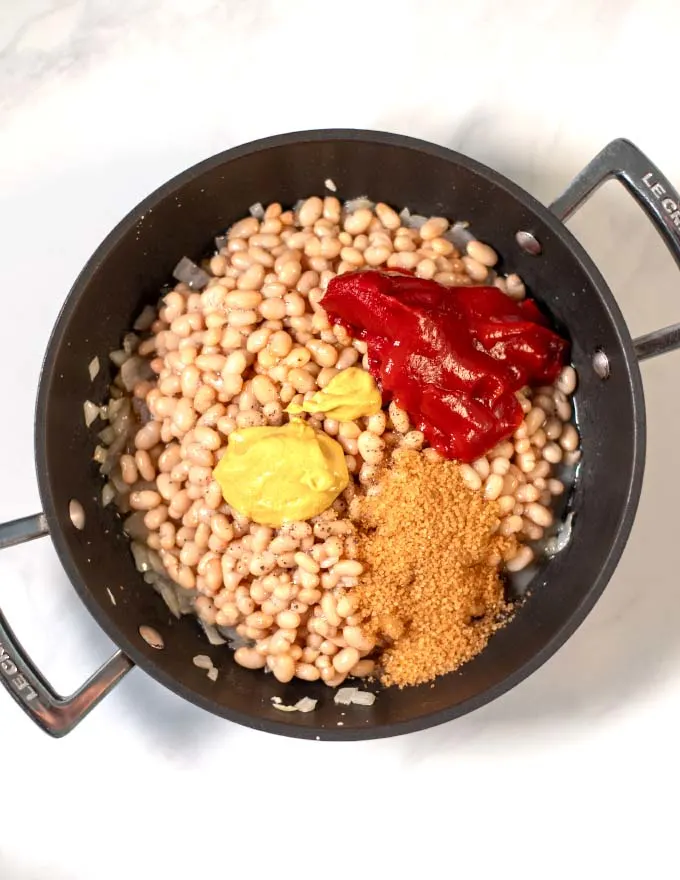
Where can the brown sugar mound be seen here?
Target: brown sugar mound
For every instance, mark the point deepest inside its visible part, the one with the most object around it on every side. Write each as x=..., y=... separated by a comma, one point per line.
x=431, y=592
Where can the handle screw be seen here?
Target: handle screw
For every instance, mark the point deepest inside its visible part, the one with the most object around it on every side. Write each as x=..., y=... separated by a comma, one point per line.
x=528, y=242
x=601, y=364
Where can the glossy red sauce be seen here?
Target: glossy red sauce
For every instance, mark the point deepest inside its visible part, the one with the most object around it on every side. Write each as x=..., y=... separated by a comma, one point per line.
x=452, y=357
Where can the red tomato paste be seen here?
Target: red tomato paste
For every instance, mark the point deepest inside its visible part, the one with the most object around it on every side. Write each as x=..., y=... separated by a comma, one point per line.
x=452, y=357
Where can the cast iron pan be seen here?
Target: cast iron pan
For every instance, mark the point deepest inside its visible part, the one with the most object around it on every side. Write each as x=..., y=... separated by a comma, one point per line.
x=182, y=217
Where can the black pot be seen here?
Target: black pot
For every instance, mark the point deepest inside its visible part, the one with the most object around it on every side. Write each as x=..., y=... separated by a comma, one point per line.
x=182, y=217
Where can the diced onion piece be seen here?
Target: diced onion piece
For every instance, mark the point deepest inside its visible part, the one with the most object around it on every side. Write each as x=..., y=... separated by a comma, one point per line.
x=108, y=494
x=212, y=673
x=107, y=435
x=118, y=357
x=203, y=661
x=189, y=273
x=167, y=591
x=91, y=412
x=114, y=407
x=363, y=698
x=113, y=454
x=130, y=343
x=413, y=221
x=234, y=640
x=146, y=318
x=212, y=634
x=306, y=704
x=93, y=368
x=100, y=453
x=221, y=241
x=157, y=563
x=169, y=596
x=329, y=183
x=135, y=369
x=459, y=235
x=343, y=697
x=355, y=204
x=257, y=211
x=122, y=423
x=134, y=527
x=116, y=477
x=139, y=552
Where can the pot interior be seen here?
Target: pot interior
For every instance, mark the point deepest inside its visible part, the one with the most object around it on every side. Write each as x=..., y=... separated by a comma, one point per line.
x=181, y=218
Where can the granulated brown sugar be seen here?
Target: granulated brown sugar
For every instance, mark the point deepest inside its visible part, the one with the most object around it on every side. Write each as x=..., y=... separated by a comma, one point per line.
x=429, y=591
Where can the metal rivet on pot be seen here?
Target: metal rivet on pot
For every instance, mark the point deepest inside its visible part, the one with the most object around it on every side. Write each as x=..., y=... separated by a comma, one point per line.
x=152, y=637
x=76, y=514
x=601, y=364
x=528, y=242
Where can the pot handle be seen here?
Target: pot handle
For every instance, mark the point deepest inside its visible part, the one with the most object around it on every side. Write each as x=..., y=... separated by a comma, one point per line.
x=656, y=196
x=56, y=715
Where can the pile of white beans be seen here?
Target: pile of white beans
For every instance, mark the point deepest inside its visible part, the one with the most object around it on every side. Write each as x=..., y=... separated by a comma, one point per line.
x=254, y=339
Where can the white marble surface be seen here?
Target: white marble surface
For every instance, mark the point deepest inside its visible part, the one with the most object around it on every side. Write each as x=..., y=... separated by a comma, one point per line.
x=100, y=101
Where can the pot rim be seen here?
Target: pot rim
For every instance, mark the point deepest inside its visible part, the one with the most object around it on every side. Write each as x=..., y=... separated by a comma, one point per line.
x=610, y=561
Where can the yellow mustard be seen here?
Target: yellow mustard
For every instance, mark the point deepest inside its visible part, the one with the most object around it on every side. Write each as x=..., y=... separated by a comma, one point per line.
x=277, y=475
x=348, y=396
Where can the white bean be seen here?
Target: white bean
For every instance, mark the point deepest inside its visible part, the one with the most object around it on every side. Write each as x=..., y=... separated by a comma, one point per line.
x=371, y=447
x=470, y=477
x=539, y=514
x=493, y=487
x=514, y=287
x=524, y=556
x=433, y=228
x=566, y=381
x=477, y=271
x=399, y=418
x=482, y=253
x=569, y=439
